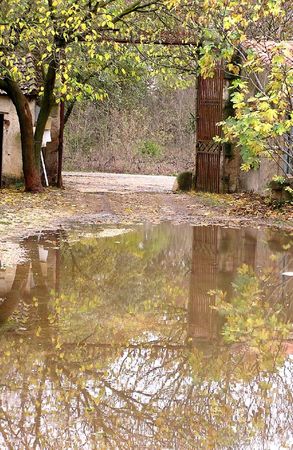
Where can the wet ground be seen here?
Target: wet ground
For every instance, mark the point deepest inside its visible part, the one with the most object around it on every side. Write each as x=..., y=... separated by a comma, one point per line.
x=118, y=337
x=125, y=199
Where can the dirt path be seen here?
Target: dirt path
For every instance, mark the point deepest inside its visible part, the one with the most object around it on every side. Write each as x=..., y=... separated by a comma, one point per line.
x=112, y=182
x=111, y=198
x=138, y=198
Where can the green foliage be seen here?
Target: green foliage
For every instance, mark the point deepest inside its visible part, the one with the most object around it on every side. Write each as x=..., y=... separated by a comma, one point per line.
x=251, y=317
x=81, y=46
x=281, y=188
x=83, y=40
x=150, y=149
x=263, y=120
x=279, y=179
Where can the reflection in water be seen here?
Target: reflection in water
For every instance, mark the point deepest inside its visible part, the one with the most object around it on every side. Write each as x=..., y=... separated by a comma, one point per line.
x=116, y=342
x=217, y=254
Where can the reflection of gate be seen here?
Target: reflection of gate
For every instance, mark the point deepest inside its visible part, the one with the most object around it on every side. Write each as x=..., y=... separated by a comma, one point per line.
x=202, y=319
x=209, y=114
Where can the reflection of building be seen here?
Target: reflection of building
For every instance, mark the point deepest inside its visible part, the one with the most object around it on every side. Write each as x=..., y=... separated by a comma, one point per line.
x=7, y=277
x=217, y=253
x=34, y=278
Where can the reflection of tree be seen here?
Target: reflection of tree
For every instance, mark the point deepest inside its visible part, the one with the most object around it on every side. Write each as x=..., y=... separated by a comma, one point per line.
x=118, y=371
x=217, y=254
x=148, y=395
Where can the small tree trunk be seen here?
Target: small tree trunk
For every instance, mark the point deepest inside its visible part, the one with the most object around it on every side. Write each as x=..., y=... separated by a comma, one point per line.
x=31, y=164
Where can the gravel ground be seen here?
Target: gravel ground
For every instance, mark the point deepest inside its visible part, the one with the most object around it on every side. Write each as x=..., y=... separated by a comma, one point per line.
x=96, y=182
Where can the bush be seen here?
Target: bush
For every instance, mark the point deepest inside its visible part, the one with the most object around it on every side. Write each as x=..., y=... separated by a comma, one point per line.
x=184, y=180
x=281, y=189
x=150, y=148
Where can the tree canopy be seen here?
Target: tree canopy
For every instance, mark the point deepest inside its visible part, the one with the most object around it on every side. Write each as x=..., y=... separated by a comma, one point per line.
x=60, y=37
x=70, y=41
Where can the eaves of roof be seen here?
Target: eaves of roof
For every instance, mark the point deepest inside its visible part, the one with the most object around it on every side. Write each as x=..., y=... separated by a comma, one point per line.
x=30, y=83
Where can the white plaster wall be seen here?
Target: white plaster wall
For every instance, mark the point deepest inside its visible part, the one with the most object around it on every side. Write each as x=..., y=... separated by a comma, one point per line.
x=257, y=180
x=12, y=159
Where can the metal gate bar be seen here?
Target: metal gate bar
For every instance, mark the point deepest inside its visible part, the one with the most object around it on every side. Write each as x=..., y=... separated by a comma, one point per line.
x=208, y=172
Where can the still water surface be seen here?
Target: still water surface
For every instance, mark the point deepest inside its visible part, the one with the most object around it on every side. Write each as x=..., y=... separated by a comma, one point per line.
x=120, y=339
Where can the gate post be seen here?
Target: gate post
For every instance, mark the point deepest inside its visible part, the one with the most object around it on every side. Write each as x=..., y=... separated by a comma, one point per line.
x=209, y=114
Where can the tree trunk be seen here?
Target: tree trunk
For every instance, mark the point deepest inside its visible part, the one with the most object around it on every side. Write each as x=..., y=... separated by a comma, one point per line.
x=31, y=163
x=45, y=107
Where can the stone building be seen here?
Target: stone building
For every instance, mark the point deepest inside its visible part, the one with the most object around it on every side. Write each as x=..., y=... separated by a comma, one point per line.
x=10, y=143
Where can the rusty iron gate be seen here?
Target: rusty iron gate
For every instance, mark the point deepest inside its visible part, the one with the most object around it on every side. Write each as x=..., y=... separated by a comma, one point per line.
x=209, y=114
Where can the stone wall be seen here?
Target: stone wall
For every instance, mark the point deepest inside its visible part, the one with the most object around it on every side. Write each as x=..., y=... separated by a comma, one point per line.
x=233, y=178
x=231, y=170
x=12, y=157
x=258, y=180
x=230, y=162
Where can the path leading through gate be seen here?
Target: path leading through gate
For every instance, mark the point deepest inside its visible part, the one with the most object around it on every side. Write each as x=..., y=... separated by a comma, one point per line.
x=94, y=182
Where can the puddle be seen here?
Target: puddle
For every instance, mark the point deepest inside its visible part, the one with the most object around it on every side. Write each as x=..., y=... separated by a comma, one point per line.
x=121, y=339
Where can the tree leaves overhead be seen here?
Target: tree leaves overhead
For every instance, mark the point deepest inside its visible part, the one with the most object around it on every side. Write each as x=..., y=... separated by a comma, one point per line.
x=170, y=38
x=81, y=35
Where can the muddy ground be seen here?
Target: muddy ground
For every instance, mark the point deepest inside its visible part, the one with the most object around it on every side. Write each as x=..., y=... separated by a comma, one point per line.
x=102, y=198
